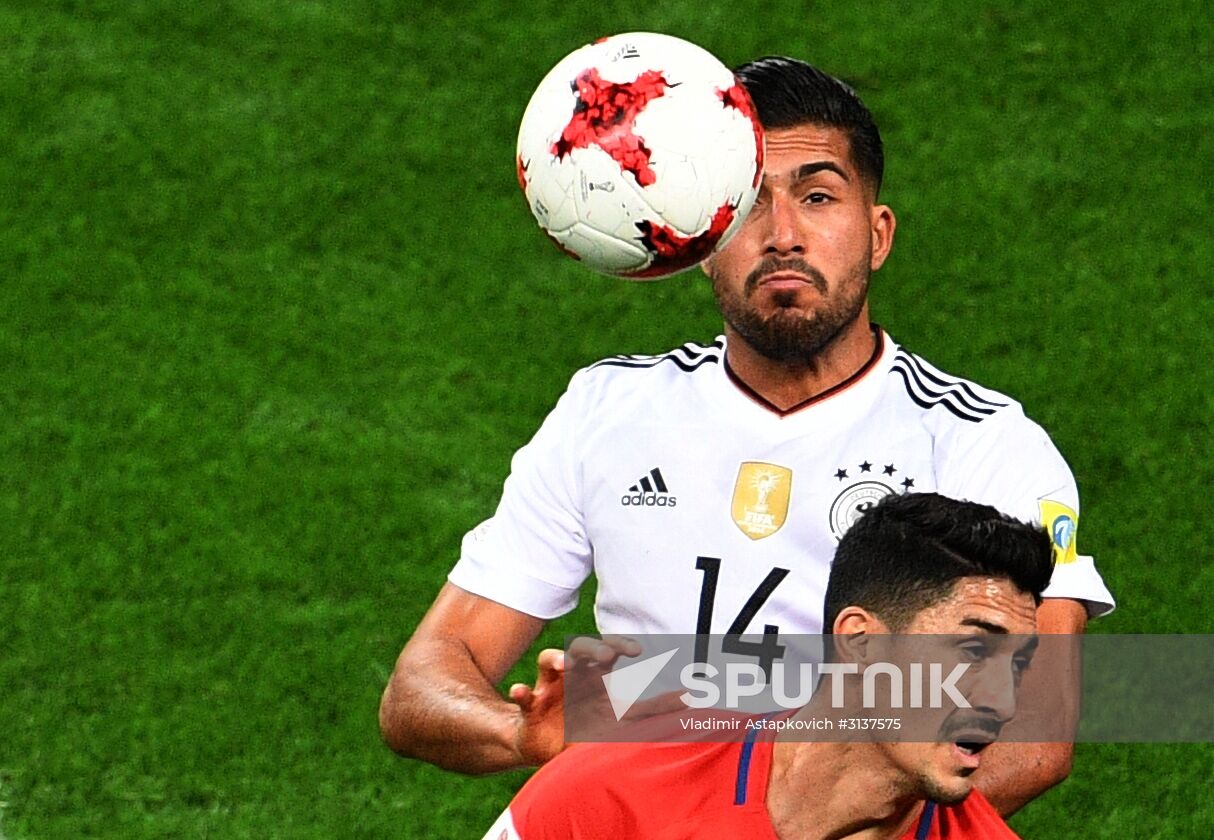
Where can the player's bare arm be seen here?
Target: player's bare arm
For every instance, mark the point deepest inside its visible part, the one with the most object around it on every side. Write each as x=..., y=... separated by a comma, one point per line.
x=1012, y=774
x=441, y=704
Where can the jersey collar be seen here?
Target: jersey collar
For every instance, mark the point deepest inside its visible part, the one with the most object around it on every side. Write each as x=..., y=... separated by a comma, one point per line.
x=847, y=384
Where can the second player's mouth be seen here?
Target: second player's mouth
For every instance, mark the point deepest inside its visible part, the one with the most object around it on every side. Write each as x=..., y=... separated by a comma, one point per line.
x=967, y=749
x=971, y=747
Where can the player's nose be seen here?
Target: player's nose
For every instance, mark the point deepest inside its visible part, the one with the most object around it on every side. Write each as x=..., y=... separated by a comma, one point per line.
x=995, y=693
x=783, y=234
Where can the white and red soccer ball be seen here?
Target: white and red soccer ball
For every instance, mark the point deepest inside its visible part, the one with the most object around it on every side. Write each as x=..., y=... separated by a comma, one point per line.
x=640, y=154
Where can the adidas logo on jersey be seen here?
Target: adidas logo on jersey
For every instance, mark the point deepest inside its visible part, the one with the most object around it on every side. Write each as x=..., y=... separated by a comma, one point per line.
x=650, y=491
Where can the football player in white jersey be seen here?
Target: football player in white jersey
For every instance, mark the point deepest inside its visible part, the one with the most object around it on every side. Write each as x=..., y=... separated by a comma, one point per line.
x=707, y=488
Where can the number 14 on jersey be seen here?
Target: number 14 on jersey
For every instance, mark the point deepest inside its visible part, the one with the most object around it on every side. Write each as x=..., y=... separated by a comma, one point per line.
x=765, y=651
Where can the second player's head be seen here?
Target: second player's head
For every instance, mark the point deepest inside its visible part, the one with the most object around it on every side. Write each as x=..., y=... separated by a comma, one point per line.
x=911, y=552
x=971, y=579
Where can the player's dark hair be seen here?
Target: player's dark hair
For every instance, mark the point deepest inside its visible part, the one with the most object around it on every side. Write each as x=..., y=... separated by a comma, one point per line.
x=907, y=552
x=788, y=93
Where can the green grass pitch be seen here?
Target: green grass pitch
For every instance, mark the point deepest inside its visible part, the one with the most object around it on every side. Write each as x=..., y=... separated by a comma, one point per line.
x=273, y=317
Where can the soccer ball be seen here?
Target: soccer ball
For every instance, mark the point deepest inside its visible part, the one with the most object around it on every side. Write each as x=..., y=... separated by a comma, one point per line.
x=640, y=154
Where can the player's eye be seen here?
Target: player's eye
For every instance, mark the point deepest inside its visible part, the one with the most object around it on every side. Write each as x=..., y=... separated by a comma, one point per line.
x=974, y=651
x=817, y=197
x=1021, y=662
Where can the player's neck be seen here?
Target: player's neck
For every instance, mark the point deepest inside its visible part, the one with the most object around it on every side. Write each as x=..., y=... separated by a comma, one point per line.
x=838, y=791
x=788, y=384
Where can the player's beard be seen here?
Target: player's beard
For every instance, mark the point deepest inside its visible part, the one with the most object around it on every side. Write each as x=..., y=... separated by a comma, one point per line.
x=788, y=334
x=960, y=721
x=924, y=774
x=937, y=792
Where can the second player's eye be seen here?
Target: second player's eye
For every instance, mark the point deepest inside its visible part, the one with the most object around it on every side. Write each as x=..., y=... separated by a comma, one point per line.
x=817, y=197
x=975, y=651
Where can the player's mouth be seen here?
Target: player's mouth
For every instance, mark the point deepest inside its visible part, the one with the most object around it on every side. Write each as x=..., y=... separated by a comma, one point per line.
x=969, y=746
x=787, y=281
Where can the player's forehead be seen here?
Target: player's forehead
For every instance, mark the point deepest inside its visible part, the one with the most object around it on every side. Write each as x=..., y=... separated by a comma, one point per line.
x=792, y=152
x=980, y=603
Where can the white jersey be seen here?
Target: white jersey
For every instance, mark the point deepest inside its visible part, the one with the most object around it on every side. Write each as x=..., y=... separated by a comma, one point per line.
x=702, y=508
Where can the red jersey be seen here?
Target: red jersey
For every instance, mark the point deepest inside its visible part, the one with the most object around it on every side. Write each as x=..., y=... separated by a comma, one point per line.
x=678, y=791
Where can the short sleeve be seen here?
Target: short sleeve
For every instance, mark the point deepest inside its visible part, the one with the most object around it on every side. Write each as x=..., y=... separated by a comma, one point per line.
x=1009, y=462
x=533, y=554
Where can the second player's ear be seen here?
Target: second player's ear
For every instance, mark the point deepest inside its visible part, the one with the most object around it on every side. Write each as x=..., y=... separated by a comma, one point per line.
x=853, y=620
x=854, y=628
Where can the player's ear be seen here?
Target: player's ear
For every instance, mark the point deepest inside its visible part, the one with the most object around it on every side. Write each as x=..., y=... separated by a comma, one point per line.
x=883, y=225
x=853, y=620
x=853, y=630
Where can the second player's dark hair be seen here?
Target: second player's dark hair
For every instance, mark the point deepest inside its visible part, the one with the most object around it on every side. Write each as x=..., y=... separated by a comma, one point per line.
x=788, y=92
x=906, y=553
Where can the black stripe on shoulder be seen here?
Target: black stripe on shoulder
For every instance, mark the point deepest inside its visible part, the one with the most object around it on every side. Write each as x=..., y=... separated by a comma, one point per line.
x=924, y=392
x=693, y=351
x=930, y=403
x=696, y=355
x=929, y=389
x=936, y=376
x=654, y=362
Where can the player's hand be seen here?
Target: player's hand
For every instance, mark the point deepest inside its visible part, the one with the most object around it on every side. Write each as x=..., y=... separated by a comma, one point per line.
x=588, y=708
x=541, y=730
x=586, y=652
